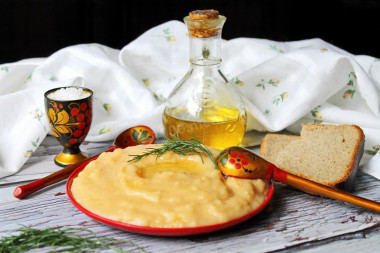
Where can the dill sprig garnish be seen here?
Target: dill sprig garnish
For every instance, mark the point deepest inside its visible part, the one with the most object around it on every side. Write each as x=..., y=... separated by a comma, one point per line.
x=60, y=240
x=182, y=147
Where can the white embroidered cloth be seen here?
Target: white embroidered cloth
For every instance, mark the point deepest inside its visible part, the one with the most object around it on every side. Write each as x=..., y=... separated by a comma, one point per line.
x=284, y=84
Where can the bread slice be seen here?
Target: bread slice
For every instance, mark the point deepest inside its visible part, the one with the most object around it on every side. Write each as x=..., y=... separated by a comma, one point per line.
x=273, y=144
x=327, y=154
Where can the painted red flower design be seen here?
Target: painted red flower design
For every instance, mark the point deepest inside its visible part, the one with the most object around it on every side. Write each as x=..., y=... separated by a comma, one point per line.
x=131, y=141
x=136, y=137
x=238, y=160
x=83, y=107
x=72, y=121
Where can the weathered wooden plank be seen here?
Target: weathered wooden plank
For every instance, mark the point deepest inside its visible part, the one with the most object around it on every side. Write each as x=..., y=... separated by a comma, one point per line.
x=41, y=164
x=296, y=219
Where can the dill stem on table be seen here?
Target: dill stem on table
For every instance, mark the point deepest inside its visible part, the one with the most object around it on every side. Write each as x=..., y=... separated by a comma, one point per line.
x=59, y=240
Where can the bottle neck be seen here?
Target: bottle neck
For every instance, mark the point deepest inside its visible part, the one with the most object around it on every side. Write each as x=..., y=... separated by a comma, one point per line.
x=205, y=51
x=205, y=39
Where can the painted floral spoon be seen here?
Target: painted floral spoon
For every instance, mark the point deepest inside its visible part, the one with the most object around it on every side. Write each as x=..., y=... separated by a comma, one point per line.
x=242, y=163
x=131, y=137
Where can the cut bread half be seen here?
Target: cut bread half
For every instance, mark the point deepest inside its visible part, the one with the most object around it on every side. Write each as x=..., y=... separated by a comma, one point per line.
x=327, y=154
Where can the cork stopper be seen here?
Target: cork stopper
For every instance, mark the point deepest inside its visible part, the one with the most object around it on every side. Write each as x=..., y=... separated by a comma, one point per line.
x=204, y=23
x=204, y=14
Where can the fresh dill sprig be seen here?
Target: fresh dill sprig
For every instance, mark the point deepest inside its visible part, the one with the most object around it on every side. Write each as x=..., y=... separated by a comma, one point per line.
x=182, y=147
x=60, y=240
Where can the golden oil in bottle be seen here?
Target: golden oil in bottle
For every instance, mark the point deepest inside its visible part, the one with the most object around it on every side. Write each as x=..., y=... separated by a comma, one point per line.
x=204, y=104
x=218, y=127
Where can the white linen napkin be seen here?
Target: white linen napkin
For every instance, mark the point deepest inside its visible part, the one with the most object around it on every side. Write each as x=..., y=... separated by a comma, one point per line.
x=283, y=84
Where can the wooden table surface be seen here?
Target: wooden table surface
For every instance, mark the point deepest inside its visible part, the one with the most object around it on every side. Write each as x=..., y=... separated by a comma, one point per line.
x=294, y=221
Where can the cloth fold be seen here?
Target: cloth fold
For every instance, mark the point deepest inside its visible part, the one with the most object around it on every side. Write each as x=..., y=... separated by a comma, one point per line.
x=284, y=84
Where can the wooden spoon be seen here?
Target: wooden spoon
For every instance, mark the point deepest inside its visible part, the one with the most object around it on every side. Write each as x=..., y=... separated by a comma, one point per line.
x=242, y=163
x=131, y=137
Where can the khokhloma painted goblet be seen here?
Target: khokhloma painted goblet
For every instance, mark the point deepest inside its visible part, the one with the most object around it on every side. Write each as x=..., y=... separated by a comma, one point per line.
x=69, y=112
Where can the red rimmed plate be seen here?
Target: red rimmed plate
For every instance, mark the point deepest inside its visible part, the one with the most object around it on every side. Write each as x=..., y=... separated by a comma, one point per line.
x=162, y=231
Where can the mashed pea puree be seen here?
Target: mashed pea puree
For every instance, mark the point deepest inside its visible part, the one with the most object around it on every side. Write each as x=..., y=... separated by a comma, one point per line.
x=171, y=191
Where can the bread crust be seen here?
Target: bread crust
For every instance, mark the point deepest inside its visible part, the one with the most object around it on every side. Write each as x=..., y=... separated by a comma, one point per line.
x=352, y=163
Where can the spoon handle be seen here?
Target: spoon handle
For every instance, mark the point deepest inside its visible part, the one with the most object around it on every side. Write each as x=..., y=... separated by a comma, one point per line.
x=24, y=190
x=322, y=190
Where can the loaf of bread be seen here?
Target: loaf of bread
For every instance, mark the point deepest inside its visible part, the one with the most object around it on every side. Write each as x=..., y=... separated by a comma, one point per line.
x=327, y=154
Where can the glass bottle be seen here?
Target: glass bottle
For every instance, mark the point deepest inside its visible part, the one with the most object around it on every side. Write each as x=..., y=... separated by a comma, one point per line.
x=204, y=104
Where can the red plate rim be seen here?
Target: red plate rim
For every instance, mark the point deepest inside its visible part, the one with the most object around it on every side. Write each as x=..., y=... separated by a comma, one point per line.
x=185, y=231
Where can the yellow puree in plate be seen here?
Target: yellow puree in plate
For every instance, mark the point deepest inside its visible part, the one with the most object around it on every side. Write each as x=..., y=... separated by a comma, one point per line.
x=172, y=191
